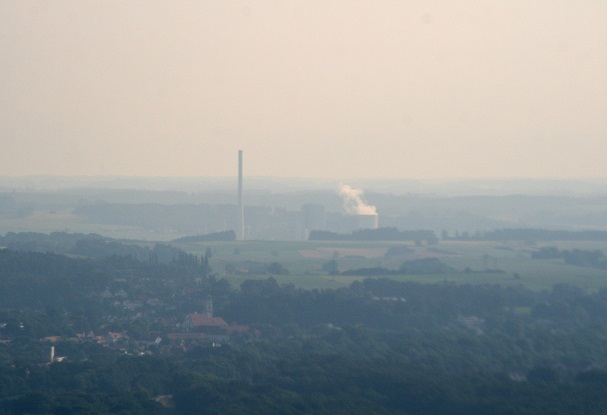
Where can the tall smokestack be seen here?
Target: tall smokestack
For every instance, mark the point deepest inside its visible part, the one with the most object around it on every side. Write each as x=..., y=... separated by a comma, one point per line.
x=240, y=203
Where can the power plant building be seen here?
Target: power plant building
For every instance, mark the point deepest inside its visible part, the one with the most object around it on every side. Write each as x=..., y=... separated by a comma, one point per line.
x=367, y=221
x=314, y=218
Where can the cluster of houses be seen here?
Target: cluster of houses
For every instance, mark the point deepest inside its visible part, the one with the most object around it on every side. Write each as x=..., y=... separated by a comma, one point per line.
x=196, y=329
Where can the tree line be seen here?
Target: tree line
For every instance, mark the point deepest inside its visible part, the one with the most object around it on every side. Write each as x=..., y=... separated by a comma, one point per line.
x=381, y=234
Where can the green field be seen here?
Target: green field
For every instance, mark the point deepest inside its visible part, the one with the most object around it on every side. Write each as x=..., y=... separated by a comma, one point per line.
x=304, y=260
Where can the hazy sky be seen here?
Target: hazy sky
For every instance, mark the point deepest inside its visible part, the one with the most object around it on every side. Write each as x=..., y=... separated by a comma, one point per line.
x=307, y=88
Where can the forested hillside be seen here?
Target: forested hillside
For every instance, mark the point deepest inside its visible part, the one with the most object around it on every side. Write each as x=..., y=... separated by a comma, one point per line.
x=121, y=342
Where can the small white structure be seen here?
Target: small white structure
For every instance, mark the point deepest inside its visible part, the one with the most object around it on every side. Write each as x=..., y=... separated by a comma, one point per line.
x=56, y=358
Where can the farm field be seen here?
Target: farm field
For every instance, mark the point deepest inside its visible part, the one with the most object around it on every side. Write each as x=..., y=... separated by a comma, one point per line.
x=472, y=262
x=65, y=221
x=509, y=263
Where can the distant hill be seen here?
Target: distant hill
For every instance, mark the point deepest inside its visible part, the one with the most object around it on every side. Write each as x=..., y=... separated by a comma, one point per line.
x=215, y=236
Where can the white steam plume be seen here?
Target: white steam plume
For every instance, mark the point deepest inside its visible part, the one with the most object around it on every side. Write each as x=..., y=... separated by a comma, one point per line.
x=354, y=202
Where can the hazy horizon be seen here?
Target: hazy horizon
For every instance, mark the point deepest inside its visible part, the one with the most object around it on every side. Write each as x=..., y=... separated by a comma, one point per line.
x=422, y=90
x=574, y=187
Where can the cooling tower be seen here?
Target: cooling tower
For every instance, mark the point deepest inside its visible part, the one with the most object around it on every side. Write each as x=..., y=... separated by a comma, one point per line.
x=367, y=221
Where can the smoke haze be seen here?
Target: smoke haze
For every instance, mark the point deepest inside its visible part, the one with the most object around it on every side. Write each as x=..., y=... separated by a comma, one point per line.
x=354, y=202
x=412, y=89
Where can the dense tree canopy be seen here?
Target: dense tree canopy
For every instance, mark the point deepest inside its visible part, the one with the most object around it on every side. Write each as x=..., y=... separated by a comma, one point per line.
x=378, y=346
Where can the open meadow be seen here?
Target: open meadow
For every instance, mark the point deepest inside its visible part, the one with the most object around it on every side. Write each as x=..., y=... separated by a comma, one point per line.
x=307, y=264
x=472, y=262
